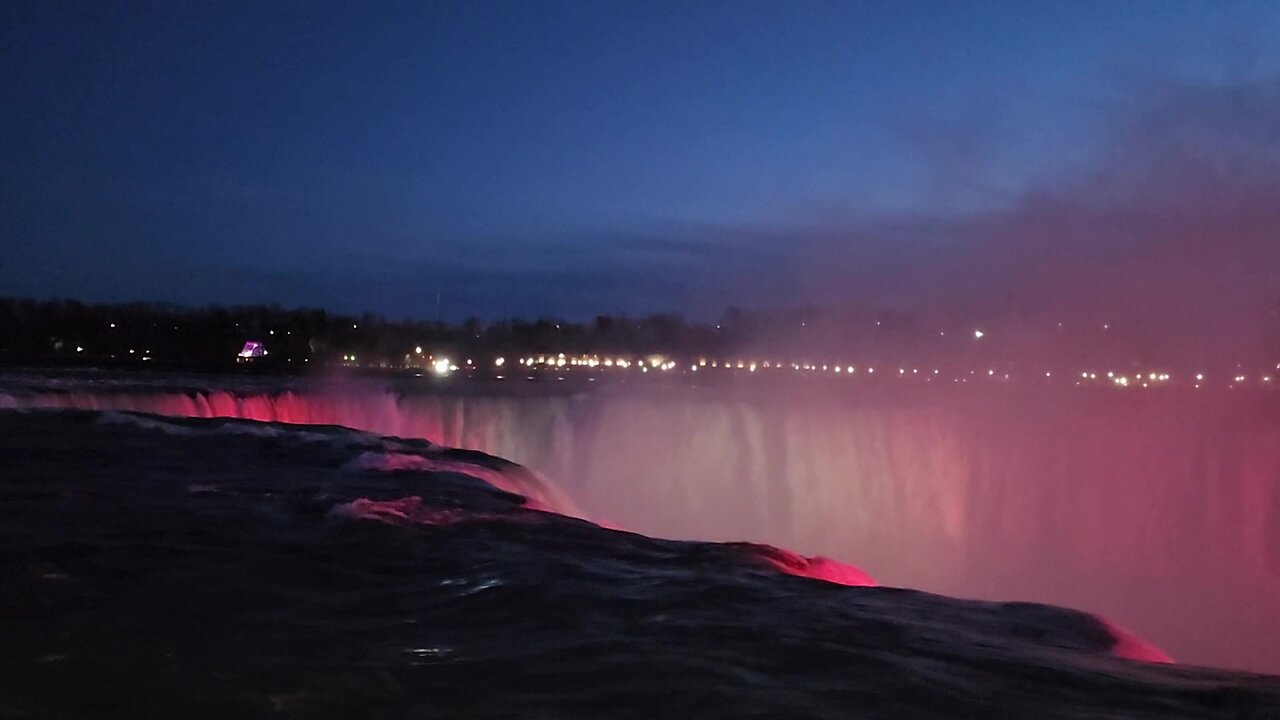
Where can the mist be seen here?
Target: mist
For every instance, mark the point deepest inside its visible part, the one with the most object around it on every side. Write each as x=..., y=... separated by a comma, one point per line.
x=1169, y=233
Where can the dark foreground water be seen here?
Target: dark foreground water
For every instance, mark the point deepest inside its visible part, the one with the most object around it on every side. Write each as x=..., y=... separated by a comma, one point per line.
x=222, y=568
x=1158, y=509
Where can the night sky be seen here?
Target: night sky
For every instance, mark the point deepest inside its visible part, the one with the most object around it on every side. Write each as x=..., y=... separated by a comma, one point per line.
x=1089, y=160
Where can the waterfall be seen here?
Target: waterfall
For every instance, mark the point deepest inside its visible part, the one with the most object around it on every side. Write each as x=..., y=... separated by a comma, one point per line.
x=1160, y=510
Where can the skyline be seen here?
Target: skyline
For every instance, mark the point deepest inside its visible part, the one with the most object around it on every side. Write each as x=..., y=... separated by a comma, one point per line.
x=574, y=159
x=72, y=334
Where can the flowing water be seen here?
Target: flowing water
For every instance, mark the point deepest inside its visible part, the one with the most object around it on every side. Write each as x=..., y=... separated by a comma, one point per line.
x=1160, y=510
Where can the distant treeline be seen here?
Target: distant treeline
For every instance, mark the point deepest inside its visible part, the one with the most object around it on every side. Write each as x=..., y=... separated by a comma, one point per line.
x=67, y=332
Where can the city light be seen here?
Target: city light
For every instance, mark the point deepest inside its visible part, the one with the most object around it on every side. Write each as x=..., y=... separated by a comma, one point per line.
x=665, y=364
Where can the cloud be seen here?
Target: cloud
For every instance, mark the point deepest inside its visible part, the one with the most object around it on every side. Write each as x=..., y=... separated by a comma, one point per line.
x=1175, y=228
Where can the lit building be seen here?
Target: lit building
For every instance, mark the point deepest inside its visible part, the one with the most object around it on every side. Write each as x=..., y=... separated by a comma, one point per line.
x=252, y=350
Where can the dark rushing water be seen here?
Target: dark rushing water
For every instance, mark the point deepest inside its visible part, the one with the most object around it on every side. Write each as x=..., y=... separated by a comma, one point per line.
x=1159, y=509
x=217, y=568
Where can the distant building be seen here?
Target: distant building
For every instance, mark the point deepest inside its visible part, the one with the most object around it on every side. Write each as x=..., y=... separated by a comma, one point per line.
x=251, y=351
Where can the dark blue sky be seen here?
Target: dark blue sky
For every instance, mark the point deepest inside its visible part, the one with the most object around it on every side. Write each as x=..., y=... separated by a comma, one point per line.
x=580, y=157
